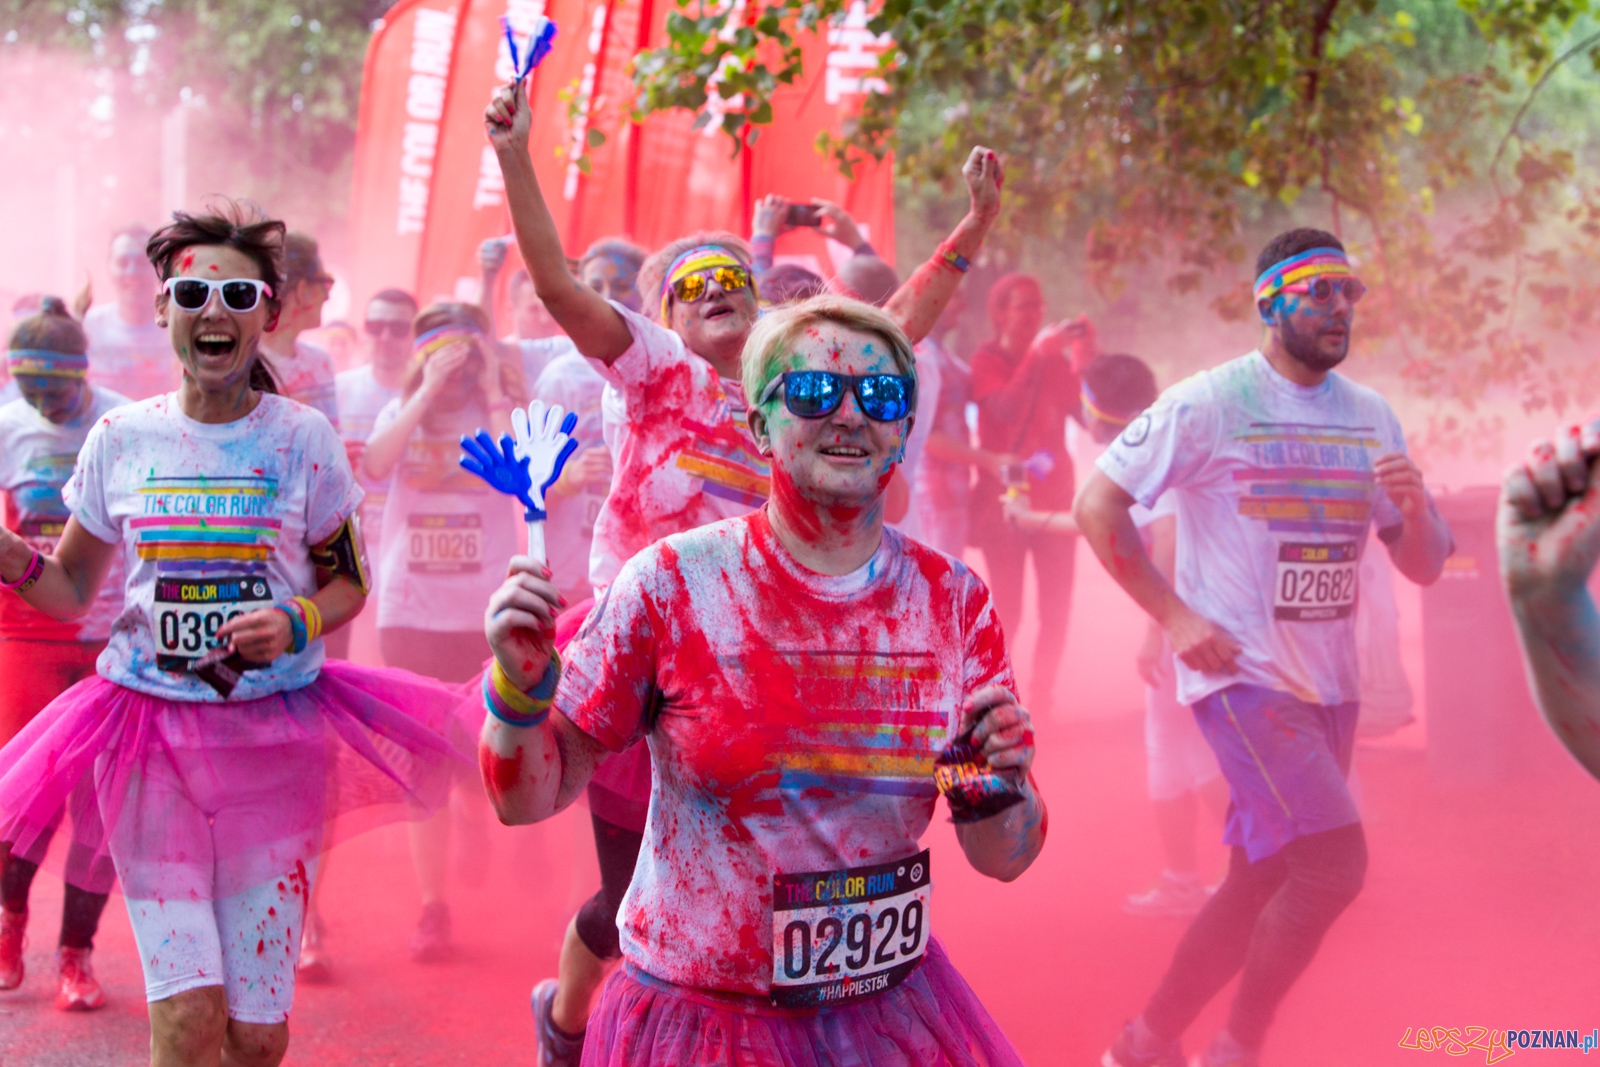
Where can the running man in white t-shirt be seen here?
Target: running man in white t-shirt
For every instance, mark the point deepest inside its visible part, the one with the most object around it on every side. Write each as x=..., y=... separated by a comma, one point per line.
x=685, y=456
x=1279, y=468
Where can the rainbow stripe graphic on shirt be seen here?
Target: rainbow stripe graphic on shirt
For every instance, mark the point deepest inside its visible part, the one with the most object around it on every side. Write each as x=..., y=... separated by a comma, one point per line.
x=1308, y=479
x=727, y=463
x=870, y=728
x=205, y=525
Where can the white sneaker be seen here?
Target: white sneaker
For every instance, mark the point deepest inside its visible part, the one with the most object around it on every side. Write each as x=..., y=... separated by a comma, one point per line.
x=1172, y=897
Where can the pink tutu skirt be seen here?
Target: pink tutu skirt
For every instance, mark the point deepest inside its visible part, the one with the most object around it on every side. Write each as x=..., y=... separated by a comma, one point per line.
x=204, y=800
x=932, y=1019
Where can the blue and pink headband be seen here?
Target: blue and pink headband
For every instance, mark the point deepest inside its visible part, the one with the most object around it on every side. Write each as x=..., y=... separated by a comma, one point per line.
x=45, y=363
x=1310, y=263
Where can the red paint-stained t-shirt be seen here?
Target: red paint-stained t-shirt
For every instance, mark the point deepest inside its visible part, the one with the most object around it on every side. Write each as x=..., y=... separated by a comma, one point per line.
x=682, y=456
x=793, y=719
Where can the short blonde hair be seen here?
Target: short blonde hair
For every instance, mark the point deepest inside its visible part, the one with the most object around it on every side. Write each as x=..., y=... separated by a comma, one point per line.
x=773, y=339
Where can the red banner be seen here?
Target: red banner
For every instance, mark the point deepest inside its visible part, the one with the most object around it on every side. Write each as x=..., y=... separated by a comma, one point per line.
x=397, y=143
x=428, y=191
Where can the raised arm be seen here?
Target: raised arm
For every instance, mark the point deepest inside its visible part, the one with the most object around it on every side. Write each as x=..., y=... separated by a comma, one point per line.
x=1548, y=530
x=537, y=764
x=597, y=328
x=917, y=304
x=68, y=581
x=1102, y=516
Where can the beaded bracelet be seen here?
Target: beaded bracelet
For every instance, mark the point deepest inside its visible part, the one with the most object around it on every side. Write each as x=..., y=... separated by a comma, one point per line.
x=514, y=707
x=951, y=258
x=30, y=574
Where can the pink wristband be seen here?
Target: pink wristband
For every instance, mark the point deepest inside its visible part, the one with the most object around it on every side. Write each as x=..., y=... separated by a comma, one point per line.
x=30, y=574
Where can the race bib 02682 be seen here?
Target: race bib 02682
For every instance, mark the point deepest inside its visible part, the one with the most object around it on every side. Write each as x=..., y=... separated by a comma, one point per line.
x=190, y=611
x=1316, y=582
x=840, y=936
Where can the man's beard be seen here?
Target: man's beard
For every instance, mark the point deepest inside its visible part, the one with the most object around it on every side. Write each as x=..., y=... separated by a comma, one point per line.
x=1304, y=348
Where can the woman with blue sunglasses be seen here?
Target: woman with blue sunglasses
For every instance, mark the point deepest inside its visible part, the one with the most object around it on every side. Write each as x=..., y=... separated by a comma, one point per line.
x=809, y=683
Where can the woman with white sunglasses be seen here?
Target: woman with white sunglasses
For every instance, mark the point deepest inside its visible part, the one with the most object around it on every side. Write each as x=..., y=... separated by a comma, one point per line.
x=213, y=727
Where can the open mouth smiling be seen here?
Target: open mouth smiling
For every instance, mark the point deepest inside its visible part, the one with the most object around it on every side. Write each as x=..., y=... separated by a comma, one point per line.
x=213, y=344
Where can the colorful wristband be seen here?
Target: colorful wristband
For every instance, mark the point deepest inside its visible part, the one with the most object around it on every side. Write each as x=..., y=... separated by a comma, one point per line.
x=297, y=625
x=312, y=615
x=951, y=258
x=30, y=574
x=514, y=707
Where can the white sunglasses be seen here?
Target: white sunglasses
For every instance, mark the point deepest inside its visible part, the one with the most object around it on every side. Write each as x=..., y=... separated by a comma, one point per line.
x=238, y=294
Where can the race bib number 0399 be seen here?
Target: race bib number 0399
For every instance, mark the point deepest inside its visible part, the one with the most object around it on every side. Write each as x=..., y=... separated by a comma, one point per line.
x=839, y=936
x=1316, y=582
x=444, y=544
x=190, y=611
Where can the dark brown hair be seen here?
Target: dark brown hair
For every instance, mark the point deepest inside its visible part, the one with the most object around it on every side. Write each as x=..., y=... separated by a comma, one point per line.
x=52, y=329
x=236, y=224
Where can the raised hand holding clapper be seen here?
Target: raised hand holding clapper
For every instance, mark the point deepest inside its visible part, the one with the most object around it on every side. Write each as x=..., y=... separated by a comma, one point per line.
x=527, y=466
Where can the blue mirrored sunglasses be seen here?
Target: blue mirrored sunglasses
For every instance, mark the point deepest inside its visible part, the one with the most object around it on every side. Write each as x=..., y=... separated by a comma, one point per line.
x=813, y=394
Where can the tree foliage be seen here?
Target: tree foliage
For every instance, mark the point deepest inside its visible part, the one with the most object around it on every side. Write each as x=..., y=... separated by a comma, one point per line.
x=292, y=69
x=1162, y=127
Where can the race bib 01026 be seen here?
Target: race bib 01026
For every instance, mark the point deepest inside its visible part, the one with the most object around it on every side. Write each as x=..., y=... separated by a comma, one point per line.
x=444, y=544
x=840, y=936
x=1316, y=582
x=190, y=611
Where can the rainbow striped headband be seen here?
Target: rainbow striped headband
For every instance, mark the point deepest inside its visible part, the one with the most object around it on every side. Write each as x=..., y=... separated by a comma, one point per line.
x=1278, y=277
x=427, y=344
x=1098, y=412
x=692, y=261
x=46, y=363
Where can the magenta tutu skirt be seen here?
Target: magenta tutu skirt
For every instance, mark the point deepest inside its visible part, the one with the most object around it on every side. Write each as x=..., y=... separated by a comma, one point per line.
x=202, y=801
x=932, y=1019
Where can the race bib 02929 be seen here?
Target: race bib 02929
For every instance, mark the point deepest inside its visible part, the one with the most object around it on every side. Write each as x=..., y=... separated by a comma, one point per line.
x=1316, y=582
x=840, y=936
x=190, y=611
x=444, y=544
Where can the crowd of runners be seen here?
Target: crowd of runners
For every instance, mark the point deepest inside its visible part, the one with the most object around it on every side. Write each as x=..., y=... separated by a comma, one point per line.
x=749, y=640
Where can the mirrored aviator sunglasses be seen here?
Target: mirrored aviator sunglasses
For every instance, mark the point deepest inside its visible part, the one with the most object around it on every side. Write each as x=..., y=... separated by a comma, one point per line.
x=238, y=294
x=692, y=288
x=1322, y=288
x=814, y=394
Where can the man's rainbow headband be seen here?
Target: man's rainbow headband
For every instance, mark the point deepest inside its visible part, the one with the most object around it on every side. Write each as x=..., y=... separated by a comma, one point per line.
x=44, y=363
x=1278, y=277
x=1094, y=409
x=692, y=261
x=429, y=343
